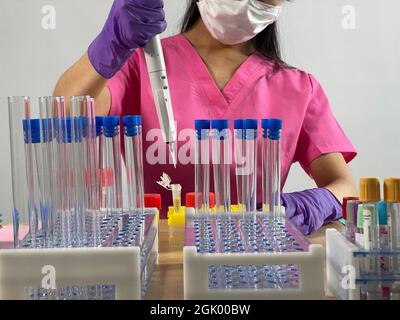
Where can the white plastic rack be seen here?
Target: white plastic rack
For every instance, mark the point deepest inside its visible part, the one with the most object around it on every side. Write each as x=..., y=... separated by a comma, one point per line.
x=249, y=256
x=119, y=268
x=357, y=274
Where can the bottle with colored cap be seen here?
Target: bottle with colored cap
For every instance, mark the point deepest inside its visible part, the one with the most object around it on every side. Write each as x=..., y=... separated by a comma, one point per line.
x=271, y=165
x=221, y=160
x=112, y=165
x=202, y=166
x=370, y=196
x=245, y=151
x=134, y=161
x=392, y=199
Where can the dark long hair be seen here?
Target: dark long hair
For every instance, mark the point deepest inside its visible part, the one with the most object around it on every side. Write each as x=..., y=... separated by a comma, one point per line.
x=266, y=42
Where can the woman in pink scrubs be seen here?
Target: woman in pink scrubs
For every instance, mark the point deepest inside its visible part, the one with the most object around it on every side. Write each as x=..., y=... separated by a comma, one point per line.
x=224, y=65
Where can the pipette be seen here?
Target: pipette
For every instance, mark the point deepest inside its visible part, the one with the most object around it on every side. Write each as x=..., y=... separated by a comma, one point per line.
x=160, y=87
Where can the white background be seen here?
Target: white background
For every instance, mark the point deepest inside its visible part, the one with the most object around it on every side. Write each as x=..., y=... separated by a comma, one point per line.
x=358, y=67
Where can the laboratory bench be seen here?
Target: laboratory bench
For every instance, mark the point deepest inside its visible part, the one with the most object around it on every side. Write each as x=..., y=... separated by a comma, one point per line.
x=167, y=279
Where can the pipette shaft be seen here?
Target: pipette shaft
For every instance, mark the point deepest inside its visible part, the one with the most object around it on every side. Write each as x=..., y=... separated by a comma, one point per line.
x=160, y=87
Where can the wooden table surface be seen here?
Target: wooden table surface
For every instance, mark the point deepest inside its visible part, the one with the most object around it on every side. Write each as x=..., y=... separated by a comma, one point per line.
x=167, y=280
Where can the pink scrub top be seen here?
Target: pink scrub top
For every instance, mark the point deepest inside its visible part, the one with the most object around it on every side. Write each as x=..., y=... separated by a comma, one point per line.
x=259, y=89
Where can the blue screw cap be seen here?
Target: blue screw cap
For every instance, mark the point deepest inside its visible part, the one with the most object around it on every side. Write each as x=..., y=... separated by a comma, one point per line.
x=220, y=128
x=31, y=127
x=219, y=124
x=202, y=129
x=47, y=133
x=250, y=124
x=111, y=126
x=272, y=128
x=238, y=123
x=99, y=125
x=131, y=124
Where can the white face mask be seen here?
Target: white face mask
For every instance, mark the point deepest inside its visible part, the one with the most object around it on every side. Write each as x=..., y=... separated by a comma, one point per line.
x=237, y=21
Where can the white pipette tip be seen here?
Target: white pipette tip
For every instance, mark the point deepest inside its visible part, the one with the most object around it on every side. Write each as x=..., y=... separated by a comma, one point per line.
x=172, y=151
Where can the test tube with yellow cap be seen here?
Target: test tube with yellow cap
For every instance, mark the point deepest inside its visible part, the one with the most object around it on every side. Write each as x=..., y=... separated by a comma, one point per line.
x=392, y=198
x=370, y=196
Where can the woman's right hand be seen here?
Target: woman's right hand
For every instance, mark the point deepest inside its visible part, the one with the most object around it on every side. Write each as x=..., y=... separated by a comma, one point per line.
x=130, y=25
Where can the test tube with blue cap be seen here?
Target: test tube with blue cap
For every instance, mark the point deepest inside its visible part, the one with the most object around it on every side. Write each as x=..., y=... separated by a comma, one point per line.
x=238, y=155
x=246, y=163
x=134, y=161
x=112, y=164
x=271, y=166
x=19, y=110
x=52, y=115
x=221, y=159
x=202, y=166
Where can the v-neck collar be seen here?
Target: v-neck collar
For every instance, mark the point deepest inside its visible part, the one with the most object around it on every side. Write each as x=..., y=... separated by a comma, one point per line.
x=254, y=67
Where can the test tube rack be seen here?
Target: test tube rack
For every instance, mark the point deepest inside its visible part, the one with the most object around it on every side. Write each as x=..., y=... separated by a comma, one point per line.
x=119, y=268
x=347, y=273
x=249, y=256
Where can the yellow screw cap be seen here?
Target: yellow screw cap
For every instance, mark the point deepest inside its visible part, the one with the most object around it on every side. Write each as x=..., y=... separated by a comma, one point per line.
x=370, y=190
x=392, y=190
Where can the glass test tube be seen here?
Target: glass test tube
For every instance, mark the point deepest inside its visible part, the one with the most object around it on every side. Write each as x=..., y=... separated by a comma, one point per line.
x=36, y=177
x=33, y=171
x=83, y=133
x=19, y=109
x=112, y=165
x=221, y=159
x=100, y=161
x=52, y=114
x=134, y=161
x=202, y=166
x=246, y=163
x=271, y=165
x=61, y=200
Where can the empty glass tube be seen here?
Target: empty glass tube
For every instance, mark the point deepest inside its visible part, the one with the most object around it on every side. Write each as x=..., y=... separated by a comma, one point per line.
x=83, y=133
x=246, y=163
x=112, y=165
x=134, y=161
x=221, y=159
x=271, y=165
x=19, y=109
x=202, y=166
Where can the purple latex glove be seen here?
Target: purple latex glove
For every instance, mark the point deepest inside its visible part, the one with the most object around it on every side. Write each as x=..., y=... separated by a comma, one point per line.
x=310, y=209
x=130, y=25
